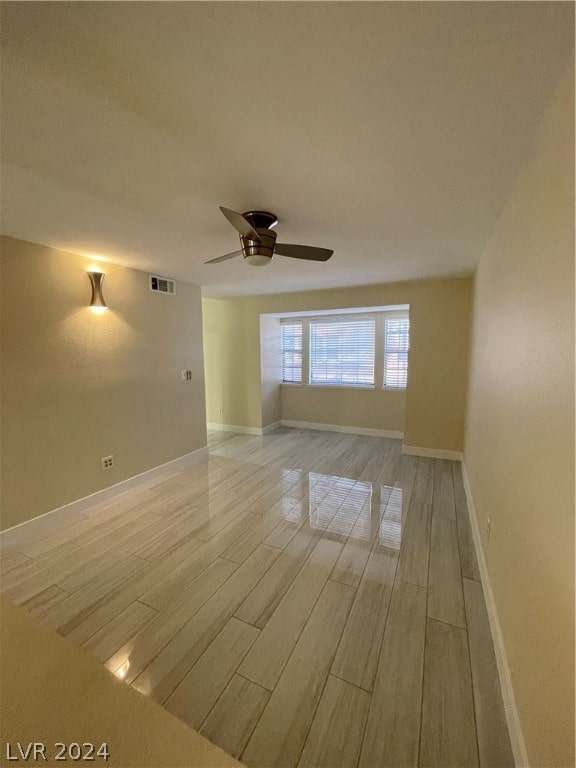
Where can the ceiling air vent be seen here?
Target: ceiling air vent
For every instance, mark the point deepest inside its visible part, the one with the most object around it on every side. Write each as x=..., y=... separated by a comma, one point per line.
x=162, y=284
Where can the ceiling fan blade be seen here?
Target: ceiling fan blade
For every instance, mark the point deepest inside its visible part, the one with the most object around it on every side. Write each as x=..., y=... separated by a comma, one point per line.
x=225, y=257
x=303, y=252
x=239, y=222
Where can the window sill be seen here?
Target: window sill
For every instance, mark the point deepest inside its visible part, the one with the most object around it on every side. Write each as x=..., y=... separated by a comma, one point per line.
x=368, y=388
x=356, y=387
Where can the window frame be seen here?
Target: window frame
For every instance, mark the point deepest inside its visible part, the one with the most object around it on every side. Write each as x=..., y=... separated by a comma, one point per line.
x=284, y=323
x=394, y=316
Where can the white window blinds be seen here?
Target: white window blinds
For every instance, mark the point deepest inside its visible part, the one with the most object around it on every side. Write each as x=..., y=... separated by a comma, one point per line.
x=396, y=344
x=292, y=352
x=342, y=352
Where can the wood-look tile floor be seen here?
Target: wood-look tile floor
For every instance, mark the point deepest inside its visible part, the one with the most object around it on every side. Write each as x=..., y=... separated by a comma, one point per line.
x=302, y=599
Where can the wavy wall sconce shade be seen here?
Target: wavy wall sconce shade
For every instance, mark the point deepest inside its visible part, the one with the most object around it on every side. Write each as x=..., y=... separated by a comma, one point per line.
x=97, y=303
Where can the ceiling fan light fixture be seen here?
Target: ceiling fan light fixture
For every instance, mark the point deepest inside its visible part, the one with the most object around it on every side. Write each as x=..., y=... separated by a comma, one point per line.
x=257, y=260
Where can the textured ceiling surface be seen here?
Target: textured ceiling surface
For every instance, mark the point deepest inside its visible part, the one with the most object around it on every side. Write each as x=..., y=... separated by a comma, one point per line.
x=388, y=131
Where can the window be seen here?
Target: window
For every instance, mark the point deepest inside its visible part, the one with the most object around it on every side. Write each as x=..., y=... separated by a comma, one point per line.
x=292, y=352
x=396, y=344
x=342, y=352
x=345, y=348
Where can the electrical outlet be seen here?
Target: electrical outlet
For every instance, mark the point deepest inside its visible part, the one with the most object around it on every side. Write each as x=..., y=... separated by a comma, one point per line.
x=220, y=411
x=488, y=529
x=107, y=462
x=186, y=375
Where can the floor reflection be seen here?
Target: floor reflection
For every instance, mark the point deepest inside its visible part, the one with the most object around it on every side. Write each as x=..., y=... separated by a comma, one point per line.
x=343, y=505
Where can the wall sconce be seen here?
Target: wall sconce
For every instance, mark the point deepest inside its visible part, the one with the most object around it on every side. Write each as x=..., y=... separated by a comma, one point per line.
x=97, y=304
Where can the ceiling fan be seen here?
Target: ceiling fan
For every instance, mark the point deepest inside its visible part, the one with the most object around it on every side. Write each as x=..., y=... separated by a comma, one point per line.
x=258, y=240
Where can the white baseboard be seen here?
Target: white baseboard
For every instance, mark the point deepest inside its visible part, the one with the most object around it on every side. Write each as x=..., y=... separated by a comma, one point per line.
x=512, y=717
x=432, y=453
x=124, y=485
x=270, y=427
x=340, y=428
x=234, y=428
x=243, y=430
x=303, y=425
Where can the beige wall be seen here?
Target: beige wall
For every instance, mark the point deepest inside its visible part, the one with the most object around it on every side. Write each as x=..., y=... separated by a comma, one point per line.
x=270, y=369
x=519, y=450
x=434, y=399
x=369, y=409
x=231, y=364
x=77, y=386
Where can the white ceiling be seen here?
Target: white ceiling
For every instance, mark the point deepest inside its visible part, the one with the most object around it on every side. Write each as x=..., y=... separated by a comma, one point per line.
x=390, y=132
